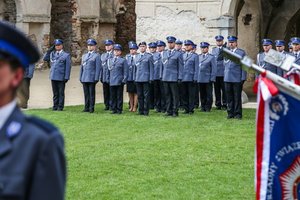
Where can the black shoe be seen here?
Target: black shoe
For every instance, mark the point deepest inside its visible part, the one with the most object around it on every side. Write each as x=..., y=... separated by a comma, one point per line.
x=146, y=114
x=91, y=111
x=158, y=110
x=207, y=110
x=224, y=107
x=113, y=112
x=168, y=114
x=202, y=110
x=163, y=111
x=140, y=113
x=106, y=108
x=85, y=110
x=60, y=109
x=230, y=116
x=191, y=112
x=239, y=117
x=175, y=115
x=119, y=112
x=186, y=112
x=219, y=108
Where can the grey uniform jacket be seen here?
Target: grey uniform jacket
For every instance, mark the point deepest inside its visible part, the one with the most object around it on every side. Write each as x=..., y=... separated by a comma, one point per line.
x=260, y=62
x=172, y=67
x=90, y=70
x=104, y=69
x=157, y=63
x=118, y=71
x=143, y=71
x=60, y=65
x=131, y=65
x=191, y=63
x=220, y=61
x=32, y=159
x=207, y=69
x=233, y=72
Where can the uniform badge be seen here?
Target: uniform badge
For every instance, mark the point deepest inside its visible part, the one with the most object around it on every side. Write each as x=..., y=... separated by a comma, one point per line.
x=13, y=129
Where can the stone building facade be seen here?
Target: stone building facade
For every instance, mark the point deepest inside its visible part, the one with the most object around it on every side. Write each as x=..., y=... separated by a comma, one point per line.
x=74, y=21
x=201, y=20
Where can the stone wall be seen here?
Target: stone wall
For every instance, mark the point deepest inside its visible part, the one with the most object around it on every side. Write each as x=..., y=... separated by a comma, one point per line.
x=126, y=23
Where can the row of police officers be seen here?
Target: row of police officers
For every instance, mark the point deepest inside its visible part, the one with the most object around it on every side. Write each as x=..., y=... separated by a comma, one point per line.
x=166, y=77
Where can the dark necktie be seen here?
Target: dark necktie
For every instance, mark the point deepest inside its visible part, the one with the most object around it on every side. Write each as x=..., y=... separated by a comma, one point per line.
x=170, y=52
x=296, y=55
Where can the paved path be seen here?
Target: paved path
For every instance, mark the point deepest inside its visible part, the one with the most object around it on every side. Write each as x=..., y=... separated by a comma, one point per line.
x=41, y=92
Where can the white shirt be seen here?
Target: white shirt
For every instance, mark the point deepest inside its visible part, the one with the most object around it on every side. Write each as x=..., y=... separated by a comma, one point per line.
x=6, y=111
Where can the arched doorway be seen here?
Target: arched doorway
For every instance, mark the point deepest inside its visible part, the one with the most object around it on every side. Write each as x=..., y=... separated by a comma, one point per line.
x=61, y=21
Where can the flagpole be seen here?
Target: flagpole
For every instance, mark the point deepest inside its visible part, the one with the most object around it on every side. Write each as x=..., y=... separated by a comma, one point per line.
x=247, y=63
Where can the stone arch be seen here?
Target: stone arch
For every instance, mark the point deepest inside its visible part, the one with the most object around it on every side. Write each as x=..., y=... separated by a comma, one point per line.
x=61, y=24
x=283, y=22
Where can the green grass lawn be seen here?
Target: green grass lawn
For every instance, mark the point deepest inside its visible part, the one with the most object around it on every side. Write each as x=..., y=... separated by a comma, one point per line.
x=204, y=156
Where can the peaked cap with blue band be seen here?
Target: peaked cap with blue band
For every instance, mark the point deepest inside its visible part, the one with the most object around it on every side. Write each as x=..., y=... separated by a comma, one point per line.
x=15, y=44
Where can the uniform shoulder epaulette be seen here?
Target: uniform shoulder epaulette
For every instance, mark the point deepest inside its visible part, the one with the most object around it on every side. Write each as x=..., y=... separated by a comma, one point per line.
x=42, y=124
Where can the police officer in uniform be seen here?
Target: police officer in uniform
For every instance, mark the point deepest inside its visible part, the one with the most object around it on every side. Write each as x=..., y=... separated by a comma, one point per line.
x=267, y=45
x=23, y=92
x=131, y=88
x=159, y=93
x=32, y=160
x=156, y=80
x=118, y=74
x=219, y=85
x=171, y=74
x=143, y=76
x=280, y=46
x=109, y=45
x=234, y=78
x=295, y=41
x=190, y=64
x=60, y=63
x=178, y=45
x=90, y=75
x=206, y=76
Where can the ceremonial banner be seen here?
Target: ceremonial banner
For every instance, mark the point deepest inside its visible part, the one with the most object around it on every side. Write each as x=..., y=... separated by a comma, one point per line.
x=277, y=156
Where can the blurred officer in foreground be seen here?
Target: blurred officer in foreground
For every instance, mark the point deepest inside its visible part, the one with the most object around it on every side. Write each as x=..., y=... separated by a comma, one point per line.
x=118, y=74
x=109, y=45
x=219, y=85
x=206, y=75
x=32, y=160
x=23, y=92
x=267, y=45
x=131, y=87
x=143, y=75
x=171, y=75
x=234, y=78
x=90, y=75
x=60, y=70
x=190, y=64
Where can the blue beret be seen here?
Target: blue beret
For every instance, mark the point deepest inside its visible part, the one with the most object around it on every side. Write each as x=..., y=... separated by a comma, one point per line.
x=279, y=43
x=178, y=42
x=171, y=39
x=219, y=38
x=142, y=43
x=118, y=47
x=266, y=42
x=295, y=40
x=232, y=38
x=160, y=43
x=108, y=42
x=91, y=42
x=133, y=46
x=152, y=45
x=58, y=41
x=204, y=44
x=188, y=42
x=15, y=44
